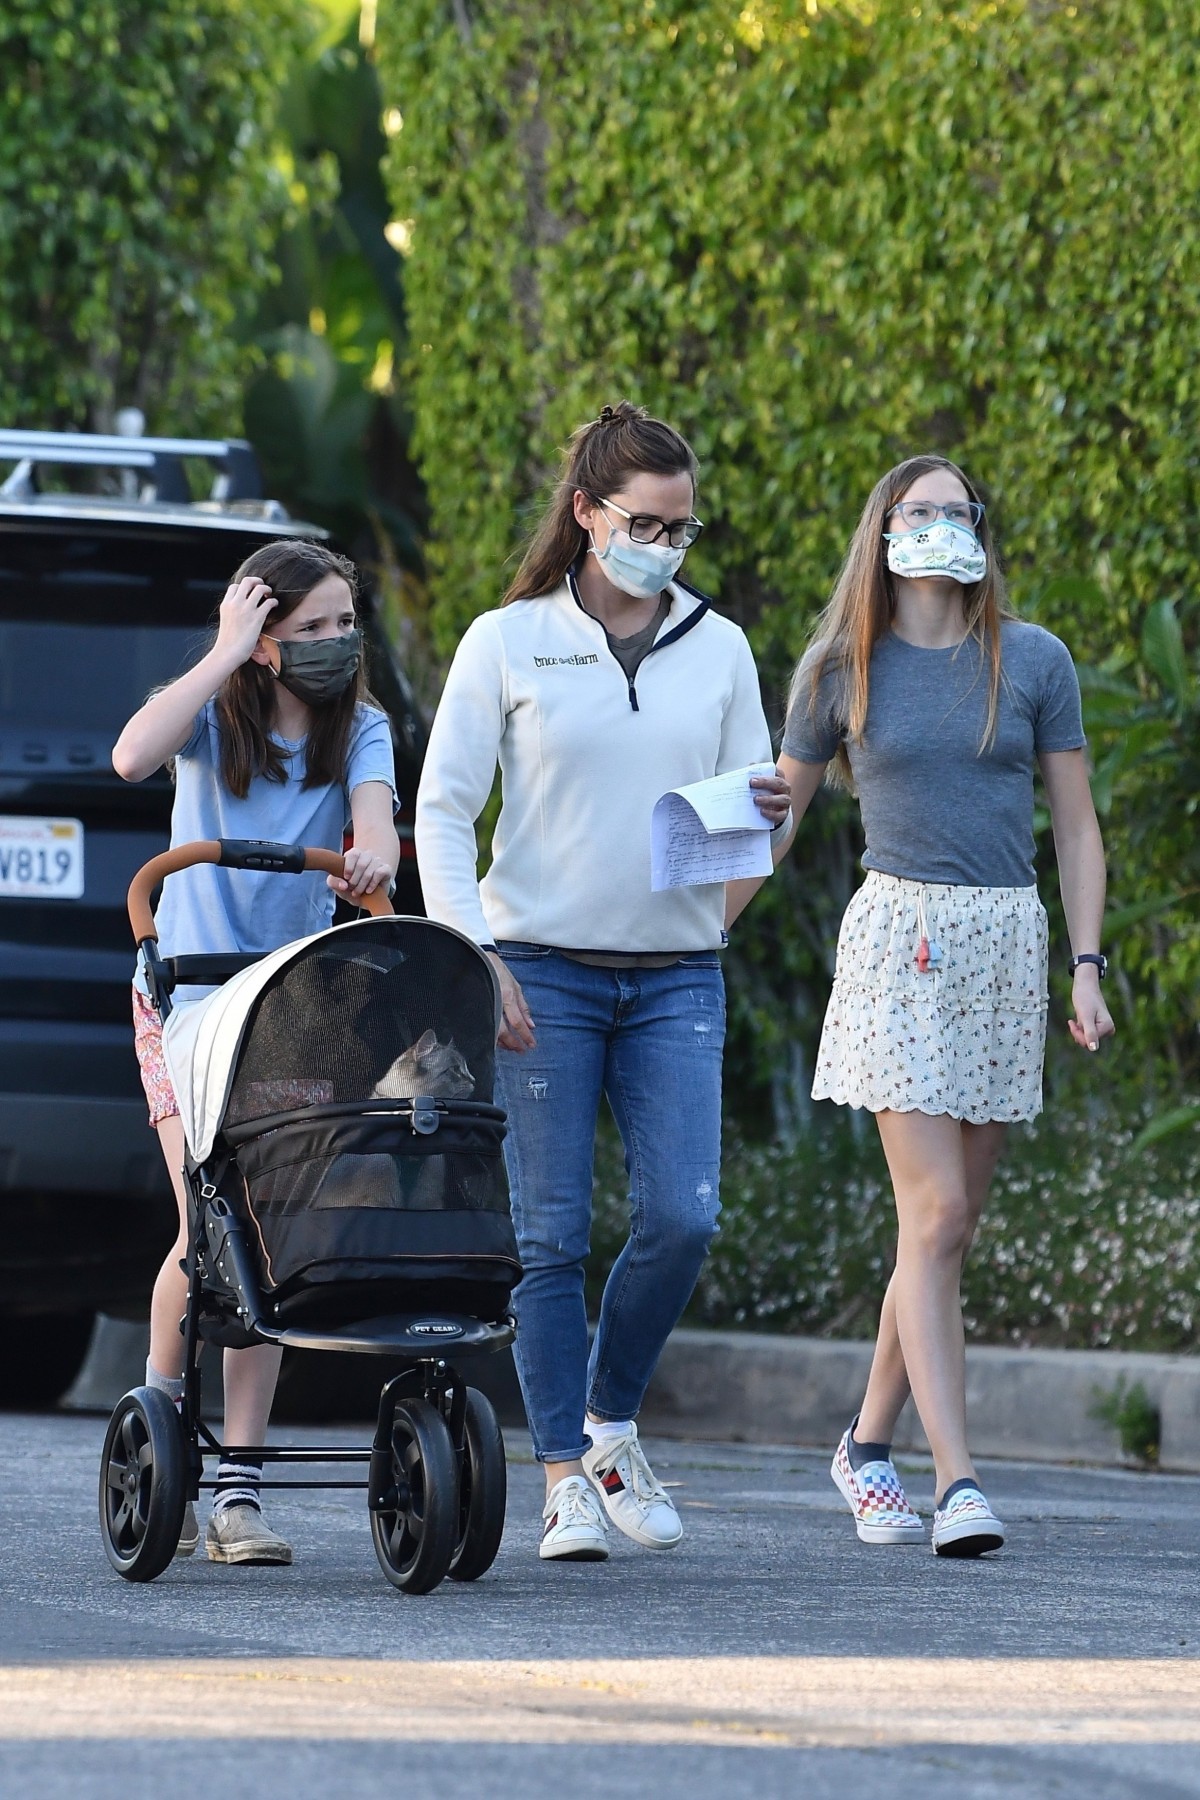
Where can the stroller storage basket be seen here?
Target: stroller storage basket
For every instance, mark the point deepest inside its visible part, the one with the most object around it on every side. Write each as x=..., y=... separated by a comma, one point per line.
x=362, y=1145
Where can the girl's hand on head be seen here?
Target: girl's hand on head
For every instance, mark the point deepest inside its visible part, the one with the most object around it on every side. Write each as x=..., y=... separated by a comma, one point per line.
x=772, y=796
x=1093, y=1021
x=244, y=614
x=362, y=873
x=516, y=1024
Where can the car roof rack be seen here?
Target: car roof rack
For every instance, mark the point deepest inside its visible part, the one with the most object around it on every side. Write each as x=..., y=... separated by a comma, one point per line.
x=237, y=473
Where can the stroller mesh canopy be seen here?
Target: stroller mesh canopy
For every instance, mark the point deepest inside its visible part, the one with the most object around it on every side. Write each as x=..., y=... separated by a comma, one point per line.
x=400, y=1008
x=355, y=1212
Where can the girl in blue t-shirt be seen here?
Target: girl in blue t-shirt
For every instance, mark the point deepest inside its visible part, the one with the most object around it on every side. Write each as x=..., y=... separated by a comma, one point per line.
x=272, y=736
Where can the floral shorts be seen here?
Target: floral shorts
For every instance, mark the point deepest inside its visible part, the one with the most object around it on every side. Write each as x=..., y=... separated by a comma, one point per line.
x=147, y=1041
x=966, y=1036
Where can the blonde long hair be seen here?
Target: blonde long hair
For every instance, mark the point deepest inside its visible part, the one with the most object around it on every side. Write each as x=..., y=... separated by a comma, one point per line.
x=863, y=606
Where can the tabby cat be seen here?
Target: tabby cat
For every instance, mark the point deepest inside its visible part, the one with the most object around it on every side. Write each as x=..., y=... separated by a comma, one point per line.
x=427, y=1068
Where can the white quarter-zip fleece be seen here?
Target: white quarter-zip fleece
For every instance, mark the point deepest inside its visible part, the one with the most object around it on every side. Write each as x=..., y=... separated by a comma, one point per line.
x=535, y=687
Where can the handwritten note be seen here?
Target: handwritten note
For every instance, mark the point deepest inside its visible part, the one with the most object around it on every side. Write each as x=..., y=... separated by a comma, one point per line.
x=710, y=831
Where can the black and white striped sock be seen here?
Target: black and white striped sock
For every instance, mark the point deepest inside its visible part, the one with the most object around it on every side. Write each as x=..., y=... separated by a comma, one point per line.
x=237, y=1485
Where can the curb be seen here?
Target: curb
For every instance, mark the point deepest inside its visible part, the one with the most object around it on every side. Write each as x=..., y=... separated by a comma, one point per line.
x=748, y=1388
x=1029, y=1405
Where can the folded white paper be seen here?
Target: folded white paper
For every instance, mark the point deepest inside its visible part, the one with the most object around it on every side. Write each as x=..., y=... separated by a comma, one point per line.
x=710, y=831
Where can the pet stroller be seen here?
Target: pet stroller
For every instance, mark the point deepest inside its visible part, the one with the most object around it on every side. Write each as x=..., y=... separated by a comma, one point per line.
x=346, y=1192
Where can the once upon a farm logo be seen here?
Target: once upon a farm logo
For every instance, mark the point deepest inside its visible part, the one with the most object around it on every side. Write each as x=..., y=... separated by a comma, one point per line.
x=577, y=661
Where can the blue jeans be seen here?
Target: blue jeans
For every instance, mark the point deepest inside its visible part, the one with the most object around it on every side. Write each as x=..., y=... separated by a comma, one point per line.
x=651, y=1040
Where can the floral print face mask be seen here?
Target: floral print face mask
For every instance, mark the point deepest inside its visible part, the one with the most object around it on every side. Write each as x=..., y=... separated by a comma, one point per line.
x=942, y=548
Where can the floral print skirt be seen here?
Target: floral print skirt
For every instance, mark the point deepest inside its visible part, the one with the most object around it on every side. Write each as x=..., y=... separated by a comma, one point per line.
x=967, y=1034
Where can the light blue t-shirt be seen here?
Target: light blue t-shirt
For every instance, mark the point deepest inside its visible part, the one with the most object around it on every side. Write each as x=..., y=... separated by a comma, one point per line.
x=207, y=910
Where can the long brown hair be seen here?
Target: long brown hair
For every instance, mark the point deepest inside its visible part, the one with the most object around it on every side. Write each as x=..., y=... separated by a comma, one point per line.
x=863, y=606
x=291, y=568
x=600, y=458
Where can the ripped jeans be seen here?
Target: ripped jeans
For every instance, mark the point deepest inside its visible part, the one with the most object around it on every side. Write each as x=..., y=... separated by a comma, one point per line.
x=652, y=1041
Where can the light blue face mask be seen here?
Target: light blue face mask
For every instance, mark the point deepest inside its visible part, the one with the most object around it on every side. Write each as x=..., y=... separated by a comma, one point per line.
x=641, y=570
x=942, y=548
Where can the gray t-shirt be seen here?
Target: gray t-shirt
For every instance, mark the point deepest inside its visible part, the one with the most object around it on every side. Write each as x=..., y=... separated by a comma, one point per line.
x=631, y=652
x=933, y=808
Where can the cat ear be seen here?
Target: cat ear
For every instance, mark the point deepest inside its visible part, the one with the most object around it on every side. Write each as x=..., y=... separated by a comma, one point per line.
x=426, y=1044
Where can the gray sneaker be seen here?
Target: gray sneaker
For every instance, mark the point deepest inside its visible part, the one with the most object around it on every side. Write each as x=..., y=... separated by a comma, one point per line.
x=189, y=1532
x=240, y=1534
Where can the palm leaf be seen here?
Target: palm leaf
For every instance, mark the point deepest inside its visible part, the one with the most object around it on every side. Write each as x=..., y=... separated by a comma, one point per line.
x=1125, y=916
x=1163, y=651
x=1179, y=1118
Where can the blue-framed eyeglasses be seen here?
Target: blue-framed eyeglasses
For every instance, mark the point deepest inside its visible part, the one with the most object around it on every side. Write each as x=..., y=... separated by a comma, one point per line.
x=916, y=513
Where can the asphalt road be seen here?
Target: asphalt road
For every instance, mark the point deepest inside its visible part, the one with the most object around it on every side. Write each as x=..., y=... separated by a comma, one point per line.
x=770, y=1655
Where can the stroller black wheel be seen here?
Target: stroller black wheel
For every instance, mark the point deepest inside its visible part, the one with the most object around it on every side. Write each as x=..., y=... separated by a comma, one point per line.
x=482, y=1491
x=416, y=1528
x=143, y=1484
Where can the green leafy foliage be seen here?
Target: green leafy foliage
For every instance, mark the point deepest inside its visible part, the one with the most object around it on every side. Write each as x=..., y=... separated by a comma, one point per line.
x=1142, y=709
x=817, y=237
x=325, y=410
x=1134, y=1417
x=139, y=197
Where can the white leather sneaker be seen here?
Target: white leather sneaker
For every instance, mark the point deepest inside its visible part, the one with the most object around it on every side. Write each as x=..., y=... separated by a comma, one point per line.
x=633, y=1496
x=575, y=1528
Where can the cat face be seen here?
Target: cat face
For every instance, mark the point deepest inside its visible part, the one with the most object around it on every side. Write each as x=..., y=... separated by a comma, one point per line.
x=427, y=1068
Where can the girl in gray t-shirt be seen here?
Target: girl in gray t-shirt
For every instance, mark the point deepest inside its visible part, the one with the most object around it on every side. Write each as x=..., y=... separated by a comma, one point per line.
x=933, y=703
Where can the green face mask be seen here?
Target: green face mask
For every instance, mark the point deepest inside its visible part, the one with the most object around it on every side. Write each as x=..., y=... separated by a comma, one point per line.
x=320, y=671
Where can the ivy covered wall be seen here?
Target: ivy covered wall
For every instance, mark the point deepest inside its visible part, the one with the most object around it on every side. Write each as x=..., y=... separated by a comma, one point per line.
x=139, y=198
x=817, y=236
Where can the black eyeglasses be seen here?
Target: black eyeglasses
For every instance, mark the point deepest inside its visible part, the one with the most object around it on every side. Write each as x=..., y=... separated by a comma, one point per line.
x=916, y=513
x=645, y=528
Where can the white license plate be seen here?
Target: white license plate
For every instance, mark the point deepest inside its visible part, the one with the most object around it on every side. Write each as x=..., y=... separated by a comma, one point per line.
x=41, y=859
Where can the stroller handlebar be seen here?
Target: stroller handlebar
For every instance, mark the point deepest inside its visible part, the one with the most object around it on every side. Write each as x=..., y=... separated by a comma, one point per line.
x=235, y=853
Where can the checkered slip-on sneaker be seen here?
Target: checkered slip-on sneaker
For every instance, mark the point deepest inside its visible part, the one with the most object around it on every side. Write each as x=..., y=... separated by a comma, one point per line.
x=876, y=1497
x=966, y=1525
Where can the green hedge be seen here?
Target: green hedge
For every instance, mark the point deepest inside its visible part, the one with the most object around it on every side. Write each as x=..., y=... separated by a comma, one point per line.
x=138, y=201
x=817, y=237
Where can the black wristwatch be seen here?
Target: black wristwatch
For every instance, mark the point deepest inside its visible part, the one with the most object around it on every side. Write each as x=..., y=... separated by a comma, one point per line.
x=1090, y=956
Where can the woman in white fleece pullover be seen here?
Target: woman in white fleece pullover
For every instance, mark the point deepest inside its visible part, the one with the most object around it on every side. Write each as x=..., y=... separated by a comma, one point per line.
x=600, y=683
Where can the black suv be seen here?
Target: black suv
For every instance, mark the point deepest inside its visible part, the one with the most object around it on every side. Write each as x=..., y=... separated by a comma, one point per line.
x=101, y=599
